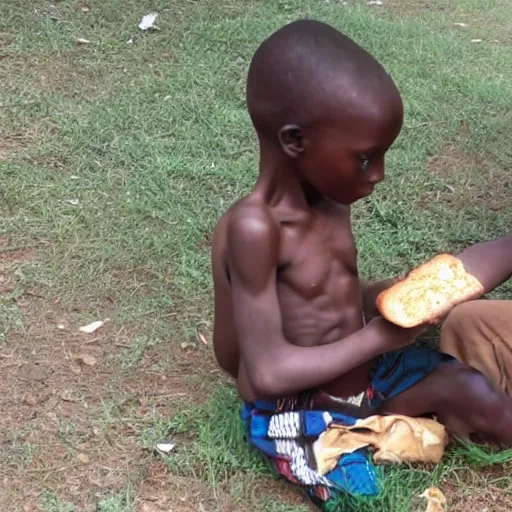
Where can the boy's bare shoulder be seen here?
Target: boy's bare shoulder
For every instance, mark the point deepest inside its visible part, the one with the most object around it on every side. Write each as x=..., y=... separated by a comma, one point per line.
x=249, y=222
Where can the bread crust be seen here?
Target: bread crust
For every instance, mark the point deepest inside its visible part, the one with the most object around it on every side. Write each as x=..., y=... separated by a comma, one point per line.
x=428, y=292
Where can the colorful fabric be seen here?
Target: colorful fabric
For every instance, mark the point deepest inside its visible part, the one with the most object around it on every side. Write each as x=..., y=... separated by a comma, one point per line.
x=395, y=372
x=285, y=435
x=285, y=430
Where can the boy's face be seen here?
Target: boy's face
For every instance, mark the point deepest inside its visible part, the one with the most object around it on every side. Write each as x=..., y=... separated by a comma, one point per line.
x=344, y=161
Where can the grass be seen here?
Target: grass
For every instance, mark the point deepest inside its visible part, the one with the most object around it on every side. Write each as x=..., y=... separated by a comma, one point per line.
x=51, y=503
x=116, y=159
x=218, y=448
x=121, y=502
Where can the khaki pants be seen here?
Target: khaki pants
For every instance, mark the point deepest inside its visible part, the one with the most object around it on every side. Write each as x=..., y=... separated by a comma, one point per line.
x=479, y=334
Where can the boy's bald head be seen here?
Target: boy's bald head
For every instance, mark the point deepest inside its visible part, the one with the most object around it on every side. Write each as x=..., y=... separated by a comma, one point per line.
x=307, y=72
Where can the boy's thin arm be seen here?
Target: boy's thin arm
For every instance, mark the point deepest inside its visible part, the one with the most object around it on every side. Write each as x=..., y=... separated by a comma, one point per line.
x=274, y=366
x=490, y=262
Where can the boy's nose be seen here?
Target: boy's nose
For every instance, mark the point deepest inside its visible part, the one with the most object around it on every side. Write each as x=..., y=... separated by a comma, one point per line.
x=376, y=175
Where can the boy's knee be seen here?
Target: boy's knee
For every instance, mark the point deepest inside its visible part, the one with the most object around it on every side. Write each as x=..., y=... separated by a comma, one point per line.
x=473, y=387
x=483, y=408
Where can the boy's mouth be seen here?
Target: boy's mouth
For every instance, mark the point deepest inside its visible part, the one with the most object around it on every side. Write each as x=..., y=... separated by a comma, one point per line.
x=367, y=189
x=364, y=190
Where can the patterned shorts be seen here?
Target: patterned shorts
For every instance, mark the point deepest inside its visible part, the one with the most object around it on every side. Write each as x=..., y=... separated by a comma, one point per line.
x=284, y=430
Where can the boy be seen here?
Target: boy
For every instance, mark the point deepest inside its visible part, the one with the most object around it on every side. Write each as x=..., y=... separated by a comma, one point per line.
x=289, y=325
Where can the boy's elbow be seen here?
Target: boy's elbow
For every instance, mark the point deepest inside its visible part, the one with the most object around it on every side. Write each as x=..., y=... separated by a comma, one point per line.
x=266, y=381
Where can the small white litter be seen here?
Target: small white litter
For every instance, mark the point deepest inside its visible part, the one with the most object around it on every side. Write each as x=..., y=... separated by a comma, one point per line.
x=74, y=202
x=83, y=41
x=460, y=24
x=165, y=447
x=476, y=40
x=375, y=2
x=148, y=21
x=94, y=326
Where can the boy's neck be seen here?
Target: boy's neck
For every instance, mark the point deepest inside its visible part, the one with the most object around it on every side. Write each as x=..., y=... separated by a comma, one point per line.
x=279, y=182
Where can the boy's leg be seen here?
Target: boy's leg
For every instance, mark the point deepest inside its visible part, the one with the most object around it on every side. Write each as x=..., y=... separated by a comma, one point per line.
x=462, y=399
x=479, y=334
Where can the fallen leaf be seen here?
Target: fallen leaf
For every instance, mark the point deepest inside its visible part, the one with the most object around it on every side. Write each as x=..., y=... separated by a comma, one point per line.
x=87, y=359
x=75, y=369
x=92, y=327
x=66, y=396
x=435, y=499
x=83, y=458
x=30, y=400
x=148, y=21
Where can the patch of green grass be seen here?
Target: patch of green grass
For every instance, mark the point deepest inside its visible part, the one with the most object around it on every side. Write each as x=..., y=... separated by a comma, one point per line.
x=274, y=506
x=217, y=449
x=18, y=452
x=138, y=346
x=11, y=318
x=158, y=429
x=162, y=187
x=121, y=502
x=487, y=20
x=51, y=503
x=483, y=456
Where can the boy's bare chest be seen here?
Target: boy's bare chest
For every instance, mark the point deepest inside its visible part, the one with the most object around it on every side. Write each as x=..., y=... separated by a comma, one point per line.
x=319, y=257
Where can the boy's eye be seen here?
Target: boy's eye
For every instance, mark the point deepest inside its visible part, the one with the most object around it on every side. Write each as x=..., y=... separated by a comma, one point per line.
x=364, y=162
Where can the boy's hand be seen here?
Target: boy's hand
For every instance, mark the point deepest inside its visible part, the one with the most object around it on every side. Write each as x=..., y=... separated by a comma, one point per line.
x=397, y=337
x=370, y=292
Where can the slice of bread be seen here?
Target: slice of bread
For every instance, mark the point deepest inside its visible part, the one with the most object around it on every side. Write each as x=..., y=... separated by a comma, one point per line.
x=429, y=292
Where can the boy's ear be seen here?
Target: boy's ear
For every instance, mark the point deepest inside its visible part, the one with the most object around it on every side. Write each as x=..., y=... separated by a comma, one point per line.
x=291, y=140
